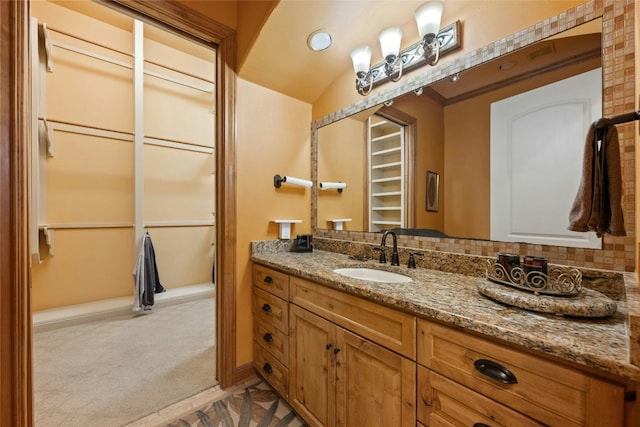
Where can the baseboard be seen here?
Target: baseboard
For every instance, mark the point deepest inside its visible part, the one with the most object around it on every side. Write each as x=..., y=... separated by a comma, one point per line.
x=46, y=320
x=244, y=373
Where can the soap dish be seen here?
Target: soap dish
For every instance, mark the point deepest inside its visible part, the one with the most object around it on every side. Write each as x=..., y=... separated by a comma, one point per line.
x=558, y=281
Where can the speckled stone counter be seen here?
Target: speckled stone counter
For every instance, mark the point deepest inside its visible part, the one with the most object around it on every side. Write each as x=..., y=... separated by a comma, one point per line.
x=453, y=299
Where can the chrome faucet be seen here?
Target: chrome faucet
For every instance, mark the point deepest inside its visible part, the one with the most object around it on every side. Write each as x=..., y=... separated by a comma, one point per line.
x=395, y=259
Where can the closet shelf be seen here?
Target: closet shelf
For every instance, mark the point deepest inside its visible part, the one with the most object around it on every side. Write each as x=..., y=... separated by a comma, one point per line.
x=387, y=151
x=387, y=137
x=386, y=165
x=390, y=179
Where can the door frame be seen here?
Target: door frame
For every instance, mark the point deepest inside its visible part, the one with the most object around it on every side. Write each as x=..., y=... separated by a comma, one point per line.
x=16, y=388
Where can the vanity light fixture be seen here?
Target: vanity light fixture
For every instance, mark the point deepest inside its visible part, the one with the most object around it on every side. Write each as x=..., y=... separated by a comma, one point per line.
x=433, y=44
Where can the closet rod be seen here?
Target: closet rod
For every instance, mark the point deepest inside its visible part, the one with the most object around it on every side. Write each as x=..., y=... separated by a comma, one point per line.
x=189, y=146
x=170, y=224
x=169, y=79
x=91, y=54
x=616, y=120
x=86, y=130
x=71, y=226
x=73, y=36
x=179, y=71
x=126, y=65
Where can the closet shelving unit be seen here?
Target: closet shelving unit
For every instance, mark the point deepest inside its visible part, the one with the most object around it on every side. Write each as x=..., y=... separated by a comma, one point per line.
x=386, y=154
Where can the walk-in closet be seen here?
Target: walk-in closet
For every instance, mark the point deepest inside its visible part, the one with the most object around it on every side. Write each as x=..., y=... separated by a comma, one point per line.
x=123, y=147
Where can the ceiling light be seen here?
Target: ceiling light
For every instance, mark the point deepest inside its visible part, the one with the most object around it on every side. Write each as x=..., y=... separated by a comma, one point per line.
x=427, y=51
x=319, y=40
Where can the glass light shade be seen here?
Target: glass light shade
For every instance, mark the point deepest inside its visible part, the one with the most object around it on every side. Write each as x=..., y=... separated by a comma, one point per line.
x=390, y=39
x=428, y=18
x=361, y=58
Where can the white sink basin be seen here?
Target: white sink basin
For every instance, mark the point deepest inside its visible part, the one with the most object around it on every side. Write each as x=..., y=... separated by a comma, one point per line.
x=373, y=275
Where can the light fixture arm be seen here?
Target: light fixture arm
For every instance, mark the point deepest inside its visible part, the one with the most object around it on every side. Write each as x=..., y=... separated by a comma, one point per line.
x=412, y=57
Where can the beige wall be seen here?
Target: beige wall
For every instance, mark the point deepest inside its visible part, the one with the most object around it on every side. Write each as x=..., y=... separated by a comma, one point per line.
x=273, y=137
x=428, y=155
x=341, y=158
x=88, y=192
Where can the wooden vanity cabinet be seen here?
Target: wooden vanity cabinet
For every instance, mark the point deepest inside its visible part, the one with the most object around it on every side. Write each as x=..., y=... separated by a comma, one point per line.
x=270, y=307
x=342, y=360
x=341, y=378
x=338, y=378
x=548, y=393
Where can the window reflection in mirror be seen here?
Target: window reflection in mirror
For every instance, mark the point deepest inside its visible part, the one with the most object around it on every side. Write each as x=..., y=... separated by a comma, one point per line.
x=452, y=138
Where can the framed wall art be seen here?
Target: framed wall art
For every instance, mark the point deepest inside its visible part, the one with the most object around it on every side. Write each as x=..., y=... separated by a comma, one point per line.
x=433, y=185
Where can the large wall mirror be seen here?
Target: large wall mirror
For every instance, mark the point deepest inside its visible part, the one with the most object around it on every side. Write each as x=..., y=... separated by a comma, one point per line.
x=459, y=158
x=447, y=141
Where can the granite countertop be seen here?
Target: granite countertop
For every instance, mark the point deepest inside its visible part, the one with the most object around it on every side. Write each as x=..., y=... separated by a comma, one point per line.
x=453, y=299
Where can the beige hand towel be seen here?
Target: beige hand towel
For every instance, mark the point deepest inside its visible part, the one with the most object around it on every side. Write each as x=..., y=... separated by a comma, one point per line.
x=597, y=206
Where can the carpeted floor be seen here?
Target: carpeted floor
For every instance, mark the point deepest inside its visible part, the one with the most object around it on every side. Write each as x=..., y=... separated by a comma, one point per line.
x=255, y=406
x=108, y=373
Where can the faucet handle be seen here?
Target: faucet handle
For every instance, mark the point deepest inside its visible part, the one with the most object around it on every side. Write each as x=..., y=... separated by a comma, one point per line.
x=383, y=256
x=412, y=260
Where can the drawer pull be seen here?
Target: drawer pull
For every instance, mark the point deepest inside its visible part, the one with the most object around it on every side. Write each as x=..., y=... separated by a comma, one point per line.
x=268, y=338
x=268, y=279
x=481, y=425
x=267, y=368
x=495, y=371
x=266, y=308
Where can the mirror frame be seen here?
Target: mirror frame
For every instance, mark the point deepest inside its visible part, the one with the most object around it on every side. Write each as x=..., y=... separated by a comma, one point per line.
x=618, y=60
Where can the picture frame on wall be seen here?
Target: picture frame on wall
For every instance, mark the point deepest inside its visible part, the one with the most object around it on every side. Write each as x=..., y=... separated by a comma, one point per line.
x=433, y=186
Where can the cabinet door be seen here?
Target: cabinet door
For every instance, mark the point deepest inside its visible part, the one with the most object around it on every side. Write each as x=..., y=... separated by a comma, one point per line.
x=445, y=403
x=375, y=387
x=312, y=367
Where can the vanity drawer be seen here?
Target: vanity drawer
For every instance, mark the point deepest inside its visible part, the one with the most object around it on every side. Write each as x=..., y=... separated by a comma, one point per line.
x=273, y=340
x=270, y=310
x=271, y=281
x=383, y=325
x=271, y=370
x=442, y=402
x=544, y=390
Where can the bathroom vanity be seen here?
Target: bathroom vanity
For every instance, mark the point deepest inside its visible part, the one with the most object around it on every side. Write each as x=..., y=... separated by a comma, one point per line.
x=431, y=352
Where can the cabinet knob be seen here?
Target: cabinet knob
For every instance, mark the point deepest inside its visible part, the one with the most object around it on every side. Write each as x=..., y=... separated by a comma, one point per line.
x=267, y=368
x=328, y=346
x=495, y=371
x=268, y=279
x=266, y=308
x=268, y=338
x=336, y=350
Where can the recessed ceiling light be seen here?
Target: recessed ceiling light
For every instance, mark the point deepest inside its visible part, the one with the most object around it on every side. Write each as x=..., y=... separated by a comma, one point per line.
x=319, y=40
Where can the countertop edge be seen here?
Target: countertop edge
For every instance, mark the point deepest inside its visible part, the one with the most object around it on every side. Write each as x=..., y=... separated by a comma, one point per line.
x=569, y=351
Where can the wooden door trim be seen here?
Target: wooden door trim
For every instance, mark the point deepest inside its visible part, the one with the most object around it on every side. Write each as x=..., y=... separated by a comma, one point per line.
x=178, y=17
x=15, y=307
